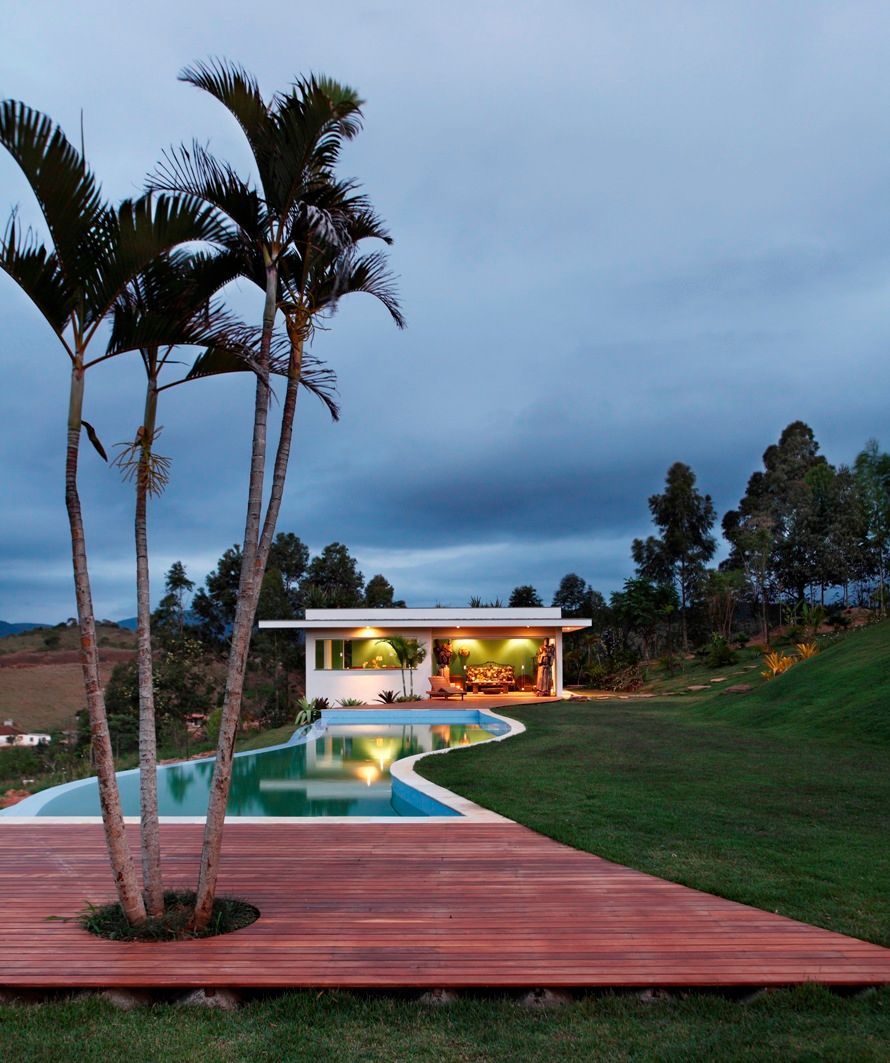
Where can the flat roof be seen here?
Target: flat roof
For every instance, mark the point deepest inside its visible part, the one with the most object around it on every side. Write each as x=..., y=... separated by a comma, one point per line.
x=549, y=618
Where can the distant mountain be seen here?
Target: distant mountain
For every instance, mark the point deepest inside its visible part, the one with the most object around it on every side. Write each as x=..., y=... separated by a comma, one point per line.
x=129, y=623
x=17, y=629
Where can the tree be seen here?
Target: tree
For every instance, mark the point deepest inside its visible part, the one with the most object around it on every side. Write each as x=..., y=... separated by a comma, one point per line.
x=572, y=595
x=333, y=579
x=96, y=251
x=168, y=305
x=289, y=556
x=641, y=607
x=215, y=603
x=525, y=597
x=410, y=653
x=872, y=470
x=685, y=518
x=299, y=231
x=170, y=614
x=379, y=593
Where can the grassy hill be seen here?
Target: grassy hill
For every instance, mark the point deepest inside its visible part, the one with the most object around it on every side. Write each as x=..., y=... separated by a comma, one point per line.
x=776, y=798
x=41, y=684
x=843, y=694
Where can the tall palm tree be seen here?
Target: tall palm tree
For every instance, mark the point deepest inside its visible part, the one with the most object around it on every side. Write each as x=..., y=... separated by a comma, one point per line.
x=297, y=228
x=168, y=306
x=94, y=253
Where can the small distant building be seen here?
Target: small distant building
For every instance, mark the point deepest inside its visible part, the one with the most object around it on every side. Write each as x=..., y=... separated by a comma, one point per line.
x=11, y=736
x=488, y=650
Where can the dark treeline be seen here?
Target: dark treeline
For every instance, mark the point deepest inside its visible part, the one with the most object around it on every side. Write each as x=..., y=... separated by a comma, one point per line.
x=806, y=541
x=191, y=631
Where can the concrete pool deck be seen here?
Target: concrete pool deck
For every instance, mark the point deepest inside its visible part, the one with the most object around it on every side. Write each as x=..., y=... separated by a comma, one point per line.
x=405, y=904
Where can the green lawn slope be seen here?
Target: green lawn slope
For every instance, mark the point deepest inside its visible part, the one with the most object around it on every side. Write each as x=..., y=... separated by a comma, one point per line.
x=843, y=694
x=777, y=798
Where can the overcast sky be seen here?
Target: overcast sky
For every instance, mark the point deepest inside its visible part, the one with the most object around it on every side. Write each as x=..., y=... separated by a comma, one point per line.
x=626, y=235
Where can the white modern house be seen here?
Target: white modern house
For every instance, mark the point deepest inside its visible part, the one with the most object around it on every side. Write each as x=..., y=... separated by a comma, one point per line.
x=488, y=650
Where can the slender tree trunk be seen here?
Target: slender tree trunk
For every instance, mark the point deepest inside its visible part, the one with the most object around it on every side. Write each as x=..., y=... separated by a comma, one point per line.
x=122, y=865
x=683, y=610
x=245, y=610
x=148, y=740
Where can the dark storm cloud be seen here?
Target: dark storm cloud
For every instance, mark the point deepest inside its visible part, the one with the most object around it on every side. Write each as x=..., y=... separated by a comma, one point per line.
x=626, y=235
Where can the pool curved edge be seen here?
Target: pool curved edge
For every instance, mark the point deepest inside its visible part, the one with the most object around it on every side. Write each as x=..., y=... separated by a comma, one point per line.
x=422, y=793
x=437, y=804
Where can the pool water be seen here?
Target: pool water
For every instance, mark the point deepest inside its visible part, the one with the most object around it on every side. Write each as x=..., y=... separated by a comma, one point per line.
x=343, y=771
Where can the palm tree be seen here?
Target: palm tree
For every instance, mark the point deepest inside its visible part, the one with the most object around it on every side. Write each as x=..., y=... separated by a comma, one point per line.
x=95, y=251
x=297, y=228
x=409, y=653
x=170, y=305
x=167, y=305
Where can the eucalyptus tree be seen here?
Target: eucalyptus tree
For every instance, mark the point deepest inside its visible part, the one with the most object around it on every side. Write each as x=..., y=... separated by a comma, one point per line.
x=684, y=517
x=95, y=251
x=298, y=229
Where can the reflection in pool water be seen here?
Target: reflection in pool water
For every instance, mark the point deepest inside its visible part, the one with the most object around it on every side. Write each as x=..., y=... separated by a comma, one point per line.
x=344, y=772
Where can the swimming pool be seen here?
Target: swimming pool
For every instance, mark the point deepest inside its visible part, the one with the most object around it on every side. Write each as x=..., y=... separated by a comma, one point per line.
x=339, y=767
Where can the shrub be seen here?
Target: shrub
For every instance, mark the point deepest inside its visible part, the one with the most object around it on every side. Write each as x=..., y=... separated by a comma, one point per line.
x=409, y=697
x=309, y=711
x=776, y=663
x=720, y=652
x=347, y=703
x=388, y=697
x=807, y=650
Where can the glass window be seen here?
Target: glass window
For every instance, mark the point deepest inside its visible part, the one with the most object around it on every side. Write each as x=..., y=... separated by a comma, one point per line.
x=353, y=654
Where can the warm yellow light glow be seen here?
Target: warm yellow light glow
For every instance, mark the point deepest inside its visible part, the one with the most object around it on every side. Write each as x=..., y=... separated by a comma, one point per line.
x=369, y=773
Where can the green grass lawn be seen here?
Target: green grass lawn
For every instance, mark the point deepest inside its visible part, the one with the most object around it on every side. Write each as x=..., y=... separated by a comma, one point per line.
x=774, y=798
x=803, y=1024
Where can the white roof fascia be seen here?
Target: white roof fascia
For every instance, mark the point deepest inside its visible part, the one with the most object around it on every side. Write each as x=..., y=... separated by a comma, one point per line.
x=366, y=616
x=557, y=623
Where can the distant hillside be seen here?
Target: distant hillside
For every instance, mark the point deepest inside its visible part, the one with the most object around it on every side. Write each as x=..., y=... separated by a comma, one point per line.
x=842, y=694
x=7, y=628
x=41, y=684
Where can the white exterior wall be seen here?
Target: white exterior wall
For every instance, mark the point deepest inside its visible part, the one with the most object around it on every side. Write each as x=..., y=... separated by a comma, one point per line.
x=364, y=683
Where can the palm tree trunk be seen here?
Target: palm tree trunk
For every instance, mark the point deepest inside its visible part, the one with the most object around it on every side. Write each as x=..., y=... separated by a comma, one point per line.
x=245, y=611
x=282, y=455
x=148, y=741
x=122, y=866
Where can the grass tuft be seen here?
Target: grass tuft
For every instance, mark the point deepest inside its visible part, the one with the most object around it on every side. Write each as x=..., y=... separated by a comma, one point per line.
x=109, y=921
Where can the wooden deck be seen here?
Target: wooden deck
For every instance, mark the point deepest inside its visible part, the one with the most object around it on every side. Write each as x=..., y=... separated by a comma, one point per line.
x=406, y=905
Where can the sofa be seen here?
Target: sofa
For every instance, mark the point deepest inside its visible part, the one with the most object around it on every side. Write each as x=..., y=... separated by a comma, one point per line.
x=490, y=676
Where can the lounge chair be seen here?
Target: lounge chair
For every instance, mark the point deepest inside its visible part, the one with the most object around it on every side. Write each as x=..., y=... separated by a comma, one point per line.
x=441, y=688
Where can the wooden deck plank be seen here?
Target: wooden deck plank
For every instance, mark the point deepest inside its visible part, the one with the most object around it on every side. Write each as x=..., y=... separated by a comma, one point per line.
x=402, y=904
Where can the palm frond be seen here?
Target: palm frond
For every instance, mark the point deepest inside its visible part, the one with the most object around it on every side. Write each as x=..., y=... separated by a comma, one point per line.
x=238, y=91
x=143, y=230
x=236, y=352
x=194, y=172
x=349, y=273
x=36, y=271
x=310, y=124
x=321, y=381
x=68, y=195
x=172, y=302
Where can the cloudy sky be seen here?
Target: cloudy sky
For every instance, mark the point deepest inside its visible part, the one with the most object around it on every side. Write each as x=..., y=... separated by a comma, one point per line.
x=626, y=234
